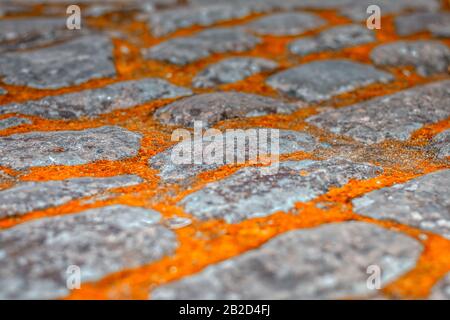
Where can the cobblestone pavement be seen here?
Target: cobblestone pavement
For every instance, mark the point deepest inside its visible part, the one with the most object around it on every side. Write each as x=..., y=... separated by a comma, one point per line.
x=87, y=178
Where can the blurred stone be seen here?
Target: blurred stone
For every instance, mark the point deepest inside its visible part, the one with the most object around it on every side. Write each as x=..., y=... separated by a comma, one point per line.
x=441, y=291
x=419, y=22
x=12, y=122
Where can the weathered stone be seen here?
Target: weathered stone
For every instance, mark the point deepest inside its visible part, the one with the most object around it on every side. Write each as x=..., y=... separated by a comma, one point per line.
x=39, y=149
x=441, y=144
x=163, y=22
x=394, y=116
x=94, y=102
x=36, y=257
x=418, y=22
x=321, y=80
x=13, y=122
x=232, y=70
x=29, y=196
x=26, y=33
x=441, y=291
x=184, y=50
x=288, y=142
x=427, y=56
x=256, y=192
x=11, y=8
x=326, y=262
x=286, y=24
x=333, y=39
x=441, y=29
x=62, y=65
x=422, y=202
x=211, y=108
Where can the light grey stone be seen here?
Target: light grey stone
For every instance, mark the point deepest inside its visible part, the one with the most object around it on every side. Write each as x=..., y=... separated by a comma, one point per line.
x=441, y=291
x=13, y=122
x=422, y=202
x=286, y=23
x=441, y=144
x=333, y=39
x=440, y=29
x=394, y=116
x=326, y=262
x=29, y=196
x=211, y=108
x=231, y=70
x=36, y=257
x=418, y=22
x=40, y=149
x=257, y=192
x=94, y=102
x=288, y=141
x=70, y=63
x=321, y=80
x=184, y=50
x=427, y=56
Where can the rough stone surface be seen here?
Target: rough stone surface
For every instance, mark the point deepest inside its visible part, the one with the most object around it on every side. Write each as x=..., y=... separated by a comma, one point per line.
x=394, y=116
x=441, y=144
x=286, y=24
x=427, y=56
x=29, y=196
x=327, y=262
x=211, y=108
x=62, y=65
x=184, y=50
x=441, y=29
x=441, y=291
x=333, y=39
x=321, y=80
x=13, y=122
x=422, y=202
x=418, y=22
x=38, y=149
x=251, y=192
x=92, y=103
x=232, y=70
x=288, y=142
x=35, y=256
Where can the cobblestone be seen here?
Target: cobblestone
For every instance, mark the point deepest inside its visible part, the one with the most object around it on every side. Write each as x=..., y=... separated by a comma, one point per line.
x=211, y=108
x=327, y=262
x=251, y=193
x=232, y=70
x=428, y=57
x=38, y=149
x=13, y=122
x=62, y=65
x=95, y=102
x=395, y=116
x=30, y=196
x=97, y=241
x=184, y=50
x=441, y=290
x=333, y=39
x=321, y=80
x=441, y=144
x=418, y=22
x=422, y=202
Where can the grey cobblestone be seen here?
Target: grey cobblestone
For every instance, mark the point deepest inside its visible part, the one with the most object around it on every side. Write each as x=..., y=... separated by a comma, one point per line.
x=29, y=196
x=184, y=50
x=94, y=102
x=441, y=29
x=321, y=80
x=13, y=122
x=422, y=202
x=232, y=70
x=38, y=149
x=211, y=108
x=428, y=56
x=333, y=39
x=289, y=142
x=441, y=144
x=394, y=116
x=326, y=262
x=418, y=22
x=441, y=291
x=286, y=24
x=251, y=193
x=62, y=65
x=35, y=256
